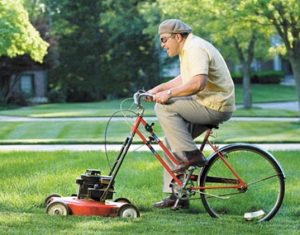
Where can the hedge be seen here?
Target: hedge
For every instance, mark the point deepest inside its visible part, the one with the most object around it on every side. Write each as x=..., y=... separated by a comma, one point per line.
x=262, y=77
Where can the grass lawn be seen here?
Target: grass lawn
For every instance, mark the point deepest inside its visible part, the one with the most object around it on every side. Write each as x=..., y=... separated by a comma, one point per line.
x=80, y=132
x=268, y=93
x=28, y=178
x=261, y=93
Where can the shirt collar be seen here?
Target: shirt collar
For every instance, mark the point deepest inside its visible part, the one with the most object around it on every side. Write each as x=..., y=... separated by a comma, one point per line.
x=186, y=43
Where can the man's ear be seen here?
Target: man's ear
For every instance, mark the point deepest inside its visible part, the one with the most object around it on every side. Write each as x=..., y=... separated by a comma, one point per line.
x=178, y=37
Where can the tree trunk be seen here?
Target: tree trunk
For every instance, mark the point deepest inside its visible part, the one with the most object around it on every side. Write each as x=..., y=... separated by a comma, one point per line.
x=246, y=58
x=295, y=63
x=247, y=86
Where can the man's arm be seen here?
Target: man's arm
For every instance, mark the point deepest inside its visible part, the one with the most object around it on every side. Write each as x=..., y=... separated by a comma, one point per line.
x=167, y=85
x=196, y=84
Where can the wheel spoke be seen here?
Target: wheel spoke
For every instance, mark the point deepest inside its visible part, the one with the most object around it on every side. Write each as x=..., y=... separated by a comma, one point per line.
x=263, y=179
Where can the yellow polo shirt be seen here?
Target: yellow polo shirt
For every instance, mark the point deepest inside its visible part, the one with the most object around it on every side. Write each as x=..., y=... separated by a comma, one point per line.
x=201, y=57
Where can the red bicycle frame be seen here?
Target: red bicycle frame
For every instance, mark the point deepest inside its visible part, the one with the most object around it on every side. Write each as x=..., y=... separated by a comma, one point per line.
x=237, y=183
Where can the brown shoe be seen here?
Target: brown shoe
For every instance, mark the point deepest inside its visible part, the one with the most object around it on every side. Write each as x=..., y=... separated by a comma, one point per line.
x=195, y=158
x=170, y=202
x=182, y=204
x=165, y=203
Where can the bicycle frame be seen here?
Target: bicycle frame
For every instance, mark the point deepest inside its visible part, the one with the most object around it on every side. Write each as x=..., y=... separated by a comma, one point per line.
x=237, y=183
x=210, y=176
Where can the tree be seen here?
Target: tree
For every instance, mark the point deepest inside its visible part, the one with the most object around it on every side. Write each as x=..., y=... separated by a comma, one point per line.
x=103, y=49
x=19, y=39
x=284, y=16
x=132, y=53
x=18, y=36
x=81, y=47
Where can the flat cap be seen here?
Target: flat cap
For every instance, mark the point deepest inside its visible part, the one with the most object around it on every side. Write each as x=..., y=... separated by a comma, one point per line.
x=174, y=26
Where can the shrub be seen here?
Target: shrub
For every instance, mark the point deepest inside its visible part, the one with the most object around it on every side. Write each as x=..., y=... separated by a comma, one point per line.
x=56, y=96
x=268, y=77
x=262, y=77
x=17, y=98
x=237, y=77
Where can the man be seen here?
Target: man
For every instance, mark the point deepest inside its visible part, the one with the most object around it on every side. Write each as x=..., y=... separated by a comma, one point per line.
x=202, y=94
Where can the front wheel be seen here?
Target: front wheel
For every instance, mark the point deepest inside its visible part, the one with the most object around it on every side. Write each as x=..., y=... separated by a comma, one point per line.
x=264, y=178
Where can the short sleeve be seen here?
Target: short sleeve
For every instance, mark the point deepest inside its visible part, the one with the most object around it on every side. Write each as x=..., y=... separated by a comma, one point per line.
x=198, y=61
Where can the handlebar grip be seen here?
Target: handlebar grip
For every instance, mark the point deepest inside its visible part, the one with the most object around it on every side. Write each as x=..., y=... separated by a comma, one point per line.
x=139, y=95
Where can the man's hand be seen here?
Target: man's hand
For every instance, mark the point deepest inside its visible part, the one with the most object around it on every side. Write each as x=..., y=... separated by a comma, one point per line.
x=150, y=98
x=162, y=97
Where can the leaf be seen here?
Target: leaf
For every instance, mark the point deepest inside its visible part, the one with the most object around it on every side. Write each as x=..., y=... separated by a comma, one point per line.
x=18, y=36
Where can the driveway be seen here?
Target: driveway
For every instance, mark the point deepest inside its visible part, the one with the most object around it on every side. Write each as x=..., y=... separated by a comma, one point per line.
x=294, y=105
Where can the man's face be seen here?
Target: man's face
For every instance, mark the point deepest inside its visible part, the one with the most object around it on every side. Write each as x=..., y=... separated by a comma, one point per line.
x=170, y=43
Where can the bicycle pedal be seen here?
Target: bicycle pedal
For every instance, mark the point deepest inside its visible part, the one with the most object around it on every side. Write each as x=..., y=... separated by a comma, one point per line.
x=191, y=168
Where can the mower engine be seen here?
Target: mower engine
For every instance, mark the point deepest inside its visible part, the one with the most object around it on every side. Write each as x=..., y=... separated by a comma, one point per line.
x=93, y=185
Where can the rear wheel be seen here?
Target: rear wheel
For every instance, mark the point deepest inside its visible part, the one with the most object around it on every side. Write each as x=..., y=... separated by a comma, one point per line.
x=122, y=199
x=128, y=211
x=259, y=200
x=50, y=198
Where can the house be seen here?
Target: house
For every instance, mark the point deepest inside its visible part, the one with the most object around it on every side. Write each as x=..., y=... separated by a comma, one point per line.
x=30, y=85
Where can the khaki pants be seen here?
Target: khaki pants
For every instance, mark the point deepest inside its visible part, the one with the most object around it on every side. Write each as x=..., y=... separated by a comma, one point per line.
x=182, y=120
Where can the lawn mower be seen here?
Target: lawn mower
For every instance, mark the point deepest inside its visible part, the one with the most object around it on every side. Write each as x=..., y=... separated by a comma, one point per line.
x=94, y=195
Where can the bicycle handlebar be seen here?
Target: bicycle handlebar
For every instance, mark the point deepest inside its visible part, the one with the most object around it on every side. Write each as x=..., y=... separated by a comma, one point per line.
x=139, y=95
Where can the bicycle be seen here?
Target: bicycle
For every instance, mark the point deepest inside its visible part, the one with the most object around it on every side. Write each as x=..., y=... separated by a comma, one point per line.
x=240, y=180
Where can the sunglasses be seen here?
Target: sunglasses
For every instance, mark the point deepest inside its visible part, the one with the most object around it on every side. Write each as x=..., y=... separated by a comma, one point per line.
x=165, y=39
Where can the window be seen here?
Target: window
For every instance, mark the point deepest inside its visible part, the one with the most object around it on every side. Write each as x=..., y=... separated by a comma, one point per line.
x=27, y=84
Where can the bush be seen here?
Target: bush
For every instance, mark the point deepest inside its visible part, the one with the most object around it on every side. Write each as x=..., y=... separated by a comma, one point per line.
x=55, y=96
x=18, y=99
x=237, y=77
x=262, y=77
x=268, y=77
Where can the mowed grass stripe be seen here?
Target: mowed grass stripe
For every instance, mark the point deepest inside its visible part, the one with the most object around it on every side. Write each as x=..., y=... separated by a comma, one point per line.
x=94, y=132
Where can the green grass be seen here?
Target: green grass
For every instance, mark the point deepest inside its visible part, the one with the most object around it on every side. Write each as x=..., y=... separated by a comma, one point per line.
x=259, y=112
x=92, y=109
x=268, y=93
x=93, y=132
x=28, y=178
x=261, y=93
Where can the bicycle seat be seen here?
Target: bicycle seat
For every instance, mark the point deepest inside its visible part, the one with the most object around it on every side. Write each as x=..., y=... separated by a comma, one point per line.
x=210, y=126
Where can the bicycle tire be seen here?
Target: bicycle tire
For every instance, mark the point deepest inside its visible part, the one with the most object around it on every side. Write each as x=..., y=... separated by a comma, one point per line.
x=261, y=171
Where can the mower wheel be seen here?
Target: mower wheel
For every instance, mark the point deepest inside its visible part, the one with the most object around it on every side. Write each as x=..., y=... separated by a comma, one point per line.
x=128, y=211
x=122, y=199
x=50, y=198
x=58, y=208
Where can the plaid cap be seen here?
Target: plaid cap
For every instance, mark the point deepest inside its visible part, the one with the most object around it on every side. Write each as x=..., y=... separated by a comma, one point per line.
x=174, y=26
